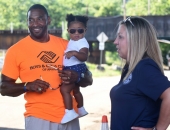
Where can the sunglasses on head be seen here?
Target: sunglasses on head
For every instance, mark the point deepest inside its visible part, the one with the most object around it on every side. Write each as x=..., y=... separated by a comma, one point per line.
x=128, y=19
x=80, y=31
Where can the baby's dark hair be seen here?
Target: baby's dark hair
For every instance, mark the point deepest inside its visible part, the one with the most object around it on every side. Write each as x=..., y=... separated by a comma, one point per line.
x=71, y=18
x=38, y=6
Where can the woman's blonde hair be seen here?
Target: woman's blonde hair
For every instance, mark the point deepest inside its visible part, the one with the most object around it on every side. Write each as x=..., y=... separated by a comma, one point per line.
x=142, y=40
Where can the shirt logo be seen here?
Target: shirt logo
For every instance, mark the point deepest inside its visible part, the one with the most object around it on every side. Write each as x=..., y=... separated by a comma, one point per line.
x=128, y=79
x=48, y=57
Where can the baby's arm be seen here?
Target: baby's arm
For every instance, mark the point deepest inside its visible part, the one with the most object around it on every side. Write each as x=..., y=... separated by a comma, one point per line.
x=82, y=55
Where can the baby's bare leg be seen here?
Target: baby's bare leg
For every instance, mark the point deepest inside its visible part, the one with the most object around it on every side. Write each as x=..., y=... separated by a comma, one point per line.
x=78, y=96
x=65, y=91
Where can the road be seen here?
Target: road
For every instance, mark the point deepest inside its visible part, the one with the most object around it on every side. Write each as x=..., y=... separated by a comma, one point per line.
x=96, y=100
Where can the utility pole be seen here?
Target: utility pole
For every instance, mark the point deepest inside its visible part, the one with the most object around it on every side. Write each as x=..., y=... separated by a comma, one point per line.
x=148, y=7
x=87, y=10
x=11, y=27
x=124, y=9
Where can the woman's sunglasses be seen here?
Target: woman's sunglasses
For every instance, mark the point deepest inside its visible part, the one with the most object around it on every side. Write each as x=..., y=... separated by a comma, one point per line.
x=80, y=31
x=129, y=19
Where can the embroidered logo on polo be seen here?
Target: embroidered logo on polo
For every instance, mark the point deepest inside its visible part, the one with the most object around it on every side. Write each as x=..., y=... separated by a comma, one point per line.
x=128, y=79
x=48, y=57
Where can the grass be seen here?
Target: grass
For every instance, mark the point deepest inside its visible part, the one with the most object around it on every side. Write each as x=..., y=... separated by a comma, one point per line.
x=108, y=70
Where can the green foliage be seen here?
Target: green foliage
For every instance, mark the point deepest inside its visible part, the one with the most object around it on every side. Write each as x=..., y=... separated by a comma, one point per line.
x=111, y=54
x=134, y=7
x=141, y=8
x=15, y=11
x=109, y=46
x=164, y=48
x=112, y=58
x=109, y=8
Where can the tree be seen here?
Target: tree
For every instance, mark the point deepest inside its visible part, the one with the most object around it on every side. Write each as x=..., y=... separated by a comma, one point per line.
x=140, y=8
x=157, y=7
x=109, y=8
x=13, y=12
x=16, y=12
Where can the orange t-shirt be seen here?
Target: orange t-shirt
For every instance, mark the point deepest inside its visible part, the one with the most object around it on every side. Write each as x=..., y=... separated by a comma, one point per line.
x=28, y=59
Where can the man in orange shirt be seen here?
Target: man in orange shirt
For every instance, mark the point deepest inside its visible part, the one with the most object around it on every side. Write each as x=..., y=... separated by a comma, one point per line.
x=29, y=59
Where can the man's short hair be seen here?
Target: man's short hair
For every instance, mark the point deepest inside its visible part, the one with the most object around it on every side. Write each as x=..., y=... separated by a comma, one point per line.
x=38, y=6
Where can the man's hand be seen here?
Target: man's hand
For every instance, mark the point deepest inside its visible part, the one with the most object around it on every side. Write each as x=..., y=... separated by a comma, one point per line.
x=38, y=86
x=68, y=76
x=8, y=87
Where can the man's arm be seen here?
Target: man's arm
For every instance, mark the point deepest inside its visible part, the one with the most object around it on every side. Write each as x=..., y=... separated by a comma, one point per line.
x=8, y=87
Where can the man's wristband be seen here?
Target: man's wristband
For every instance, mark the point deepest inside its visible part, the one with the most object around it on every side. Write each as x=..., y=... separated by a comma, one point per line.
x=25, y=89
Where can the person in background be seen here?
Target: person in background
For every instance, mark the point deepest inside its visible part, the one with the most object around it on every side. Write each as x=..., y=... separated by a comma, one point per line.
x=141, y=99
x=74, y=59
x=29, y=60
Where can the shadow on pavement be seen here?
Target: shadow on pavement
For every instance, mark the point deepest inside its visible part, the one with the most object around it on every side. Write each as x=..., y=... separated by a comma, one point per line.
x=5, y=128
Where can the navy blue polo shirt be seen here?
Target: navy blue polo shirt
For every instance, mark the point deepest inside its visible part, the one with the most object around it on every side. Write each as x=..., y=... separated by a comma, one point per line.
x=135, y=100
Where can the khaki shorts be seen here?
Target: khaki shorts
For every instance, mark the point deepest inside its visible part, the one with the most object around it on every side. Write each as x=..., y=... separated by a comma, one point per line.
x=33, y=123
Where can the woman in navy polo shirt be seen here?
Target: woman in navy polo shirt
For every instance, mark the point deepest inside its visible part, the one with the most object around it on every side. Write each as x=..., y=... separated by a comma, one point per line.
x=141, y=99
